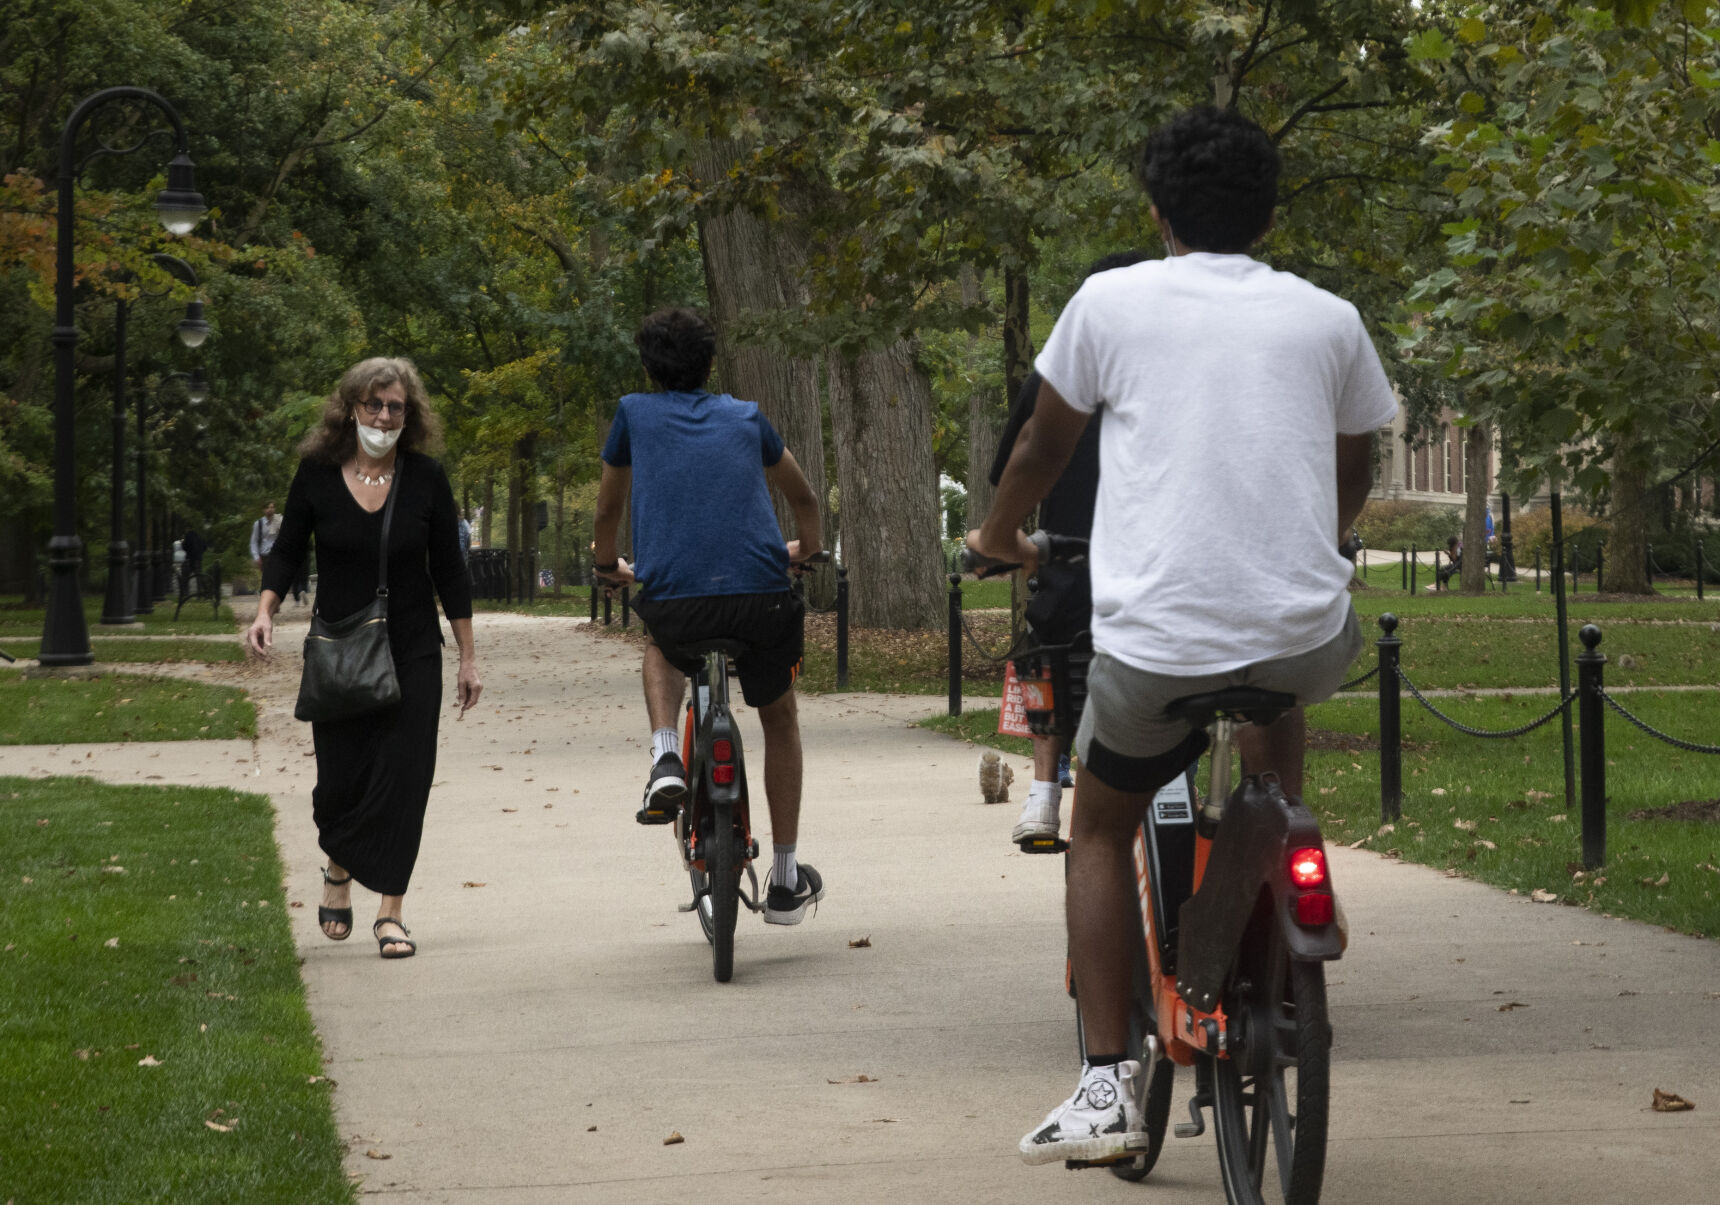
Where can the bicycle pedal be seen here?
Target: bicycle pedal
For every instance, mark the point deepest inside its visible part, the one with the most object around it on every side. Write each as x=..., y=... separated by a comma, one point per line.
x=659, y=816
x=1042, y=845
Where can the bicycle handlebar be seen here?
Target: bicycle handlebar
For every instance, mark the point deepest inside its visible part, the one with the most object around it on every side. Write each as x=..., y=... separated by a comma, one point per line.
x=1052, y=549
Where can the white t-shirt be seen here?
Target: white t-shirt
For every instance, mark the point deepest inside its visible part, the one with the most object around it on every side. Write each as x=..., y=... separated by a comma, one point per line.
x=1225, y=385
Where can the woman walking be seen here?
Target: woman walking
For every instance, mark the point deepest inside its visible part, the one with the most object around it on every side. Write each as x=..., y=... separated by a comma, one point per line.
x=374, y=771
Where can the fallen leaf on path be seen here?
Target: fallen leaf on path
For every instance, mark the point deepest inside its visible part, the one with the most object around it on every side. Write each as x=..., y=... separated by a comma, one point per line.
x=674, y=1138
x=1559, y=819
x=1670, y=1102
x=853, y=1079
x=1512, y=1006
x=149, y=1060
x=1520, y=1102
x=469, y=883
x=591, y=1129
x=889, y=1121
x=861, y=943
x=1467, y=826
x=506, y=809
x=112, y=943
x=1544, y=897
x=217, y=1126
x=373, y=1153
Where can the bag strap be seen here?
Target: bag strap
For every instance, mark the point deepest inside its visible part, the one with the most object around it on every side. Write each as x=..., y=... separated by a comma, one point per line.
x=387, y=518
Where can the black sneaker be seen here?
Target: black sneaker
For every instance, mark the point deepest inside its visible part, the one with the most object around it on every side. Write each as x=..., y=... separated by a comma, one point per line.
x=664, y=792
x=785, y=907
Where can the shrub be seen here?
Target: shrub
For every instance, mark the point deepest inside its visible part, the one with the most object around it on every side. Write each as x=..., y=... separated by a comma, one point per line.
x=1398, y=525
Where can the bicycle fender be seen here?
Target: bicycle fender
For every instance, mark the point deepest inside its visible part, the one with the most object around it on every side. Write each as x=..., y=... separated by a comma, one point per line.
x=720, y=725
x=1249, y=855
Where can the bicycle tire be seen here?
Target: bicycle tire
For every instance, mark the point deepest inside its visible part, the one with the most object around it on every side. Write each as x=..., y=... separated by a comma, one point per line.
x=1277, y=1024
x=702, y=901
x=723, y=871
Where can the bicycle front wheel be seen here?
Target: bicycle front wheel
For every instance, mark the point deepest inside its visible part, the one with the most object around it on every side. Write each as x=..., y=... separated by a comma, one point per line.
x=723, y=872
x=1270, y=1096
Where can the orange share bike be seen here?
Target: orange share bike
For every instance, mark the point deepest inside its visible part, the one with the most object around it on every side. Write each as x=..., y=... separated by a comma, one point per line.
x=1236, y=918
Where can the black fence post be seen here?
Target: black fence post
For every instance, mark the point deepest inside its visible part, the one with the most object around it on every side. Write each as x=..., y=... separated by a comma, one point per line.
x=1594, y=747
x=1403, y=569
x=607, y=604
x=1507, y=560
x=1600, y=569
x=594, y=589
x=1436, y=570
x=955, y=644
x=1701, y=569
x=626, y=607
x=841, y=627
x=1391, y=722
x=1537, y=571
x=1576, y=558
x=532, y=576
x=1414, y=564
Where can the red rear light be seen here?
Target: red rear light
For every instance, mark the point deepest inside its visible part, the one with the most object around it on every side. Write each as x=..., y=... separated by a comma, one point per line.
x=722, y=775
x=1308, y=867
x=1314, y=909
x=723, y=751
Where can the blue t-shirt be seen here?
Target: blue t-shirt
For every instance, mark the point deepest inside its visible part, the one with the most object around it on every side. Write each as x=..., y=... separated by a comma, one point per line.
x=702, y=519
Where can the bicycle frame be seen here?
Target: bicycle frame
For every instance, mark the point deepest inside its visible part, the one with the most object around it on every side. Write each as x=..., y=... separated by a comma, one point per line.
x=715, y=785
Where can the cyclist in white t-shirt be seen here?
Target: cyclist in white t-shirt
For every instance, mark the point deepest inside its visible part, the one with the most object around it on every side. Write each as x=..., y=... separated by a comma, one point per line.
x=1240, y=406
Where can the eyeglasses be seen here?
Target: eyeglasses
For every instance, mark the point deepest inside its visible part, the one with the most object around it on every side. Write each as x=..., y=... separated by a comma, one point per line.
x=373, y=407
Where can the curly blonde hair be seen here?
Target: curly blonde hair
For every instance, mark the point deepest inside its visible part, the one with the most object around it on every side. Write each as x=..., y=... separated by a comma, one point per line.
x=335, y=439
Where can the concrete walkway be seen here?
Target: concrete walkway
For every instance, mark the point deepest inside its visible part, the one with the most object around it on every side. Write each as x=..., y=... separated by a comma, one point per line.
x=560, y=1021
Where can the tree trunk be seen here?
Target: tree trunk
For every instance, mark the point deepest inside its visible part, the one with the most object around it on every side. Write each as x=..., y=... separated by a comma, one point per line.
x=489, y=508
x=753, y=270
x=1477, y=462
x=881, y=418
x=1627, y=545
x=1017, y=367
x=525, y=483
x=984, y=422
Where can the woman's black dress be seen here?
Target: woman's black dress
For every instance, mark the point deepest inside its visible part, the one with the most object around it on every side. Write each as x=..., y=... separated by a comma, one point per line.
x=374, y=772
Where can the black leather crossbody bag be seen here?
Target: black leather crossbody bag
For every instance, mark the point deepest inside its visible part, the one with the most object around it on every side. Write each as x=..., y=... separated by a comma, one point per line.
x=349, y=669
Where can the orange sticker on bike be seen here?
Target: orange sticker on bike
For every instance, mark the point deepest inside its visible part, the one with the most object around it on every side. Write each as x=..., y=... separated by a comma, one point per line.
x=1011, y=717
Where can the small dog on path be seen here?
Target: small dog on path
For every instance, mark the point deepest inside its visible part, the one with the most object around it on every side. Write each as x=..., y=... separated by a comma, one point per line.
x=994, y=777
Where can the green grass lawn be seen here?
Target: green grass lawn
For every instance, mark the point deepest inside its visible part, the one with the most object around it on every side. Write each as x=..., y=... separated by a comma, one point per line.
x=119, y=707
x=1495, y=810
x=120, y=650
x=18, y=621
x=154, y=1030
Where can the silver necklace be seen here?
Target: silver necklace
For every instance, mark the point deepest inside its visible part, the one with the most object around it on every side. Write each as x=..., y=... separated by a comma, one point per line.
x=380, y=479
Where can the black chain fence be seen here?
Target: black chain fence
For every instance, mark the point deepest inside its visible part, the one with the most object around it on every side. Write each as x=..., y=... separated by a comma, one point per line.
x=1482, y=732
x=1358, y=681
x=1687, y=746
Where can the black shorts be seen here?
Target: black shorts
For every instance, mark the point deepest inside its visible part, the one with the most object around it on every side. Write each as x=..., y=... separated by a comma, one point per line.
x=772, y=626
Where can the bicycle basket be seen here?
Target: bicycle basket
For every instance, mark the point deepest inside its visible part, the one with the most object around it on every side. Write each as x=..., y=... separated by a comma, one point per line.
x=1053, y=681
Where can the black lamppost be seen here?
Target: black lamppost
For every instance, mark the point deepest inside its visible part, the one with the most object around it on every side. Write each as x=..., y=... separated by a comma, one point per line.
x=150, y=587
x=119, y=605
x=65, y=635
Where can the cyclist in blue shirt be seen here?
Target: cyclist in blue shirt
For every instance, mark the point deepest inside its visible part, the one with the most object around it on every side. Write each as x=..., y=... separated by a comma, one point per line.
x=711, y=563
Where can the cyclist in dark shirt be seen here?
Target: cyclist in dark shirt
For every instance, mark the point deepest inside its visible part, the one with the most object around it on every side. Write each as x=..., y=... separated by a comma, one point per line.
x=711, y=564
x=1062, y=599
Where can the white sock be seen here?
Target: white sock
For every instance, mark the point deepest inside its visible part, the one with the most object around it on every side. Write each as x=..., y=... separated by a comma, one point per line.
x=1045, y=792
x=664, y=740
x=784, y=869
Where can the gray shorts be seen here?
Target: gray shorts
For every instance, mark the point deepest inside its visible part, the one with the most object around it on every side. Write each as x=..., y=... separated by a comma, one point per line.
x=1126, y=706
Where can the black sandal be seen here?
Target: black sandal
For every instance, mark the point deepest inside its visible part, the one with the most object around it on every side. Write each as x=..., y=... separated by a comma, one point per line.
x=382, y=943
x=335, y=916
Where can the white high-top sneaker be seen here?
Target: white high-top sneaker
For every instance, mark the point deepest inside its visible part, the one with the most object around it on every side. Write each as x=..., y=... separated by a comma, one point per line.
x=1101, y=1122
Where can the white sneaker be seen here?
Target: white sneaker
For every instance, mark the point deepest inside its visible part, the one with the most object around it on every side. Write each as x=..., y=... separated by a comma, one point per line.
x=1100, y=1123
x=1038, y=819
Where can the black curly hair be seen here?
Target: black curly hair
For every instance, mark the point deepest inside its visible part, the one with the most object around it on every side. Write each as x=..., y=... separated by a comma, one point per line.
x=676, y=345
x=1214, y=176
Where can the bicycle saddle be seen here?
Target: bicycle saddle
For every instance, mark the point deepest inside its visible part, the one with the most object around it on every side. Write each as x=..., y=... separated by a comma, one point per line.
x=733, y=648
x=1252, y=704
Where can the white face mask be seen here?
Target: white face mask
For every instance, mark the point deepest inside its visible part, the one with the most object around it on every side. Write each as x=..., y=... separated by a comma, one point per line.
x=377, y=444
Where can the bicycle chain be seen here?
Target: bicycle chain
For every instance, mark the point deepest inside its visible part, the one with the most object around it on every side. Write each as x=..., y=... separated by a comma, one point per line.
x=1481, y=732
x=1687, y=746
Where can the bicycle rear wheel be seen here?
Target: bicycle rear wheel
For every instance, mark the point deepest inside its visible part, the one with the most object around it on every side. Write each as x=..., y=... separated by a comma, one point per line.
x=723, y=872
x=1270, y=1096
